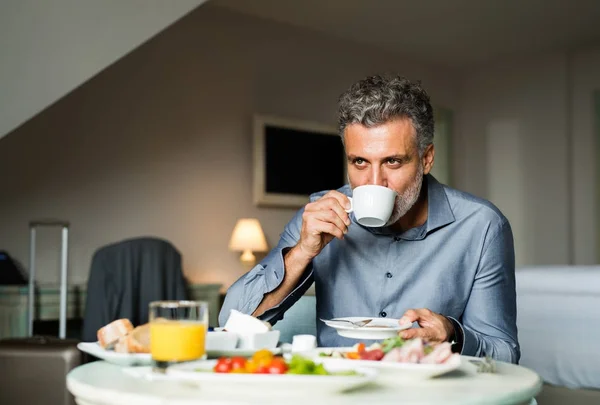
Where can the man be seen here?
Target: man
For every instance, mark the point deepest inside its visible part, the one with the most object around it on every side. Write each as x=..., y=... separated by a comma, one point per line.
x=444, y=260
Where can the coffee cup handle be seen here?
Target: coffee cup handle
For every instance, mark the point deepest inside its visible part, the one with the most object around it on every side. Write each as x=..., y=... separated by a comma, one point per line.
x=351, y=206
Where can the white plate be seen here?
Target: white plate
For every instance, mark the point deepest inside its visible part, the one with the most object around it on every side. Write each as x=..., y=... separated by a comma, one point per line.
x=378, y=328
x=213, y=354
x=411, y=370
x=145, y=359
x=208, y=380
x=121, y=359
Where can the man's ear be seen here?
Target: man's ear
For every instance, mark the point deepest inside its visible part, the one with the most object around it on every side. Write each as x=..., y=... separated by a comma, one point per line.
x=428, y=158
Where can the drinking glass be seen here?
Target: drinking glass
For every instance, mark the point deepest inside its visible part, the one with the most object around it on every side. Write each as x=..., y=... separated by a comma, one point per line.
x=177, y=332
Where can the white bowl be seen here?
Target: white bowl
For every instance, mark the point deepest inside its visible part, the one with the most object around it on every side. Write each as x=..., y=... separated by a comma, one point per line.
x=221, y=341
x=256, y=341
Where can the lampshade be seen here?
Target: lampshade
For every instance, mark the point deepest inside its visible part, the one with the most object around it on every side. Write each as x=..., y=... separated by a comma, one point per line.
x=248, y=235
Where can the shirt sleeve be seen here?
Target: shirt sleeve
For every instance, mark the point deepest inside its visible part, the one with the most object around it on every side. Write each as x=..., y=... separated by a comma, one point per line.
x=246, y=294
x=457, y=337
x=489, y=321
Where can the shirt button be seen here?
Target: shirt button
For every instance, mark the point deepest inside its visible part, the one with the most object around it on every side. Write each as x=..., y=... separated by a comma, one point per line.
x=383, y=314
x=388, y=275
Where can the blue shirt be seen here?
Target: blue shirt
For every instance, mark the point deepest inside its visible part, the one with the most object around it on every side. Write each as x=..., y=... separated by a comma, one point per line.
x=459, y=263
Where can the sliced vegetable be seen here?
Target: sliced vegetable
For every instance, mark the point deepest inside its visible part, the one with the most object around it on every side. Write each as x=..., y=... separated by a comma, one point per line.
x=390, y=343
x=374, y=355
x=263, y=363
x=353, y=355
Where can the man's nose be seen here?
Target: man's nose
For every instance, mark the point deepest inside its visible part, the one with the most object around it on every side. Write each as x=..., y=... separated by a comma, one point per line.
x=378, y=178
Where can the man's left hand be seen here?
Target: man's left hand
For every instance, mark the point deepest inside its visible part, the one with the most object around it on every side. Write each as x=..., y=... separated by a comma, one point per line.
x=434, y=328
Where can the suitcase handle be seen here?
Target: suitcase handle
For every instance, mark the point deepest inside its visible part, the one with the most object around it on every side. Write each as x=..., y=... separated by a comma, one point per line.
x=49, y=222
x=62, y=322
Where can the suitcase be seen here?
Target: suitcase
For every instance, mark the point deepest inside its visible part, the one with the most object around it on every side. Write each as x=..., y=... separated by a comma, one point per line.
x=34, y=369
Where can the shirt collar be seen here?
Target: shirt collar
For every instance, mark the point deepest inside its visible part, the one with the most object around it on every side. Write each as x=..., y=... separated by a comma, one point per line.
x=439, y=212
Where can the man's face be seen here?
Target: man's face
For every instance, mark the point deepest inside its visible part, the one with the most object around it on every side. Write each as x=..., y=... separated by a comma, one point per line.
x=387, y=155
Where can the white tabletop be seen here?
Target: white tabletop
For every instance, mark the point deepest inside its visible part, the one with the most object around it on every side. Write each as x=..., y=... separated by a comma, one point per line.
x=107, y=384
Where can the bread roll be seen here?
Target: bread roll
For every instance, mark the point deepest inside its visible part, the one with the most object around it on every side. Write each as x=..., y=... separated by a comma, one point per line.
x=138, y=340
x=110, y=334
x=121, y=345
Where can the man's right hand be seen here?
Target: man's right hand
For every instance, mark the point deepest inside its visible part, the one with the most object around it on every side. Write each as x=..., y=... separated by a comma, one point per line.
x=322, y=221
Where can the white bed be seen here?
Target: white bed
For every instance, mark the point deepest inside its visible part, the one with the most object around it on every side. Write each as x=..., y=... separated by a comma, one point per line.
x=558, y=312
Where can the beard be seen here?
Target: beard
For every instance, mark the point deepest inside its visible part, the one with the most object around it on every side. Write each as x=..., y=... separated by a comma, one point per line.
x=407, y=199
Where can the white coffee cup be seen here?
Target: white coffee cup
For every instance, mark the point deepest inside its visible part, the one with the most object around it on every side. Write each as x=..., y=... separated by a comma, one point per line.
x=372, y=205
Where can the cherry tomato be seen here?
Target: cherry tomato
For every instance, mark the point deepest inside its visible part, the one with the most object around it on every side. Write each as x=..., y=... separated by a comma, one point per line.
x=238, y=363
x=278, y=366
x=279, y=360
x=262, y=370
x=223, y=366
x=251, y=366
x=223, y=360
x=263, y=357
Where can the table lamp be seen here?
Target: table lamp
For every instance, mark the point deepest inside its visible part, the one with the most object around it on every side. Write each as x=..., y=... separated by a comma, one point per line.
x=248, y=237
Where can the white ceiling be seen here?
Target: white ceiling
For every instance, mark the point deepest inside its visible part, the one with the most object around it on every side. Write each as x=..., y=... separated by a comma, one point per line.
x=451, y=33
x=48, y=48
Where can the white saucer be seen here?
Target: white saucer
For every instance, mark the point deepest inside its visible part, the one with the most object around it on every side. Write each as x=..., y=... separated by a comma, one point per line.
x=377, y=329
x=121, y=359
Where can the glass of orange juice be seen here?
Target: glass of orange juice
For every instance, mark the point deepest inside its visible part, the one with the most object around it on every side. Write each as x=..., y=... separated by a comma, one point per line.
x=177, y=332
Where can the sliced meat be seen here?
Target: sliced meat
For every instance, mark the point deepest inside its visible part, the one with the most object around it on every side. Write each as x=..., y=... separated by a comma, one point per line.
x=440, y=354
x=410, y=352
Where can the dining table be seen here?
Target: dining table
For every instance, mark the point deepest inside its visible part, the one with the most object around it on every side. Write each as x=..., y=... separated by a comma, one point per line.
x=104, y=383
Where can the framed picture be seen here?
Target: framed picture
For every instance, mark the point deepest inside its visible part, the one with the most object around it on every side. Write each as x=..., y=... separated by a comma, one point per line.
x=293, y=159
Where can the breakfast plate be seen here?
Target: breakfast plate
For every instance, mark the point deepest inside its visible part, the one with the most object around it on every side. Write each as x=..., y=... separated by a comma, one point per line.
x=213, y=354
x=121, y=359
x=145, y=359
x=200, y=373
x=409, y=370
x=377, y=328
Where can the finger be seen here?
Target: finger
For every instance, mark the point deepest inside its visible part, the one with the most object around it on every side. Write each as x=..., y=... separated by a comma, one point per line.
x=316, y=226
x=329, y=210
x=410, y=316
x=338, y=202
x=334, y=218
x=427, y=334
x=409, y=333
x=327, y=216
x=334, y=205
x=341, y=198
x=414, y=333
x=431, y=335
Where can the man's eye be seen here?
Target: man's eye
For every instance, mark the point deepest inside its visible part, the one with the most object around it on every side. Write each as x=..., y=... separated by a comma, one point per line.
x=394, y=161
x=358, y=161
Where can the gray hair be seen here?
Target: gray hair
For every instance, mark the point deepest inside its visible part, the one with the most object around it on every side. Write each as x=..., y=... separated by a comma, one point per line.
x=377, y=99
